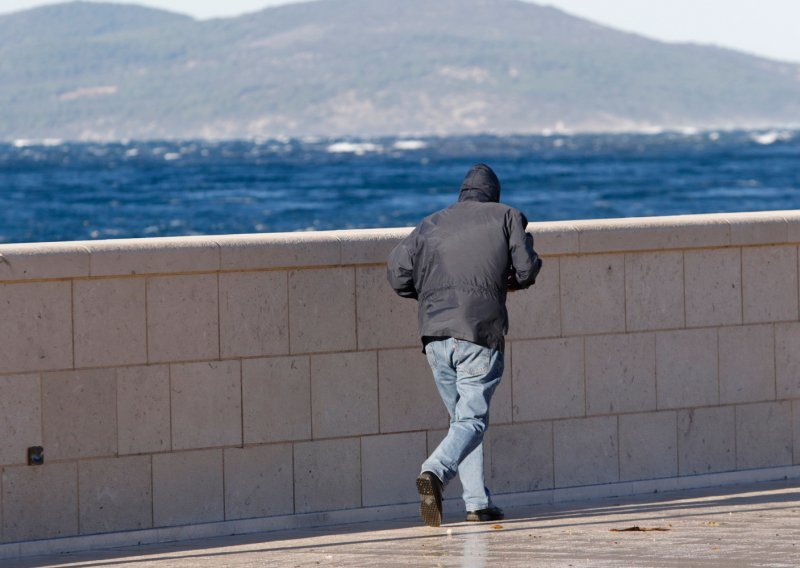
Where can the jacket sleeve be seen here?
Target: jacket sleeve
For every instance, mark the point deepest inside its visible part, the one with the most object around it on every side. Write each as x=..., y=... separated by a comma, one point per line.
x=525, y=263
x=400, y=269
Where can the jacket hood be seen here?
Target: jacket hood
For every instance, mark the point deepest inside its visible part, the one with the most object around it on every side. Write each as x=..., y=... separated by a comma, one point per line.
x=481, y=184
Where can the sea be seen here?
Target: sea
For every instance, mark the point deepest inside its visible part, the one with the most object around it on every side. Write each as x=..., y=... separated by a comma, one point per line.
x=51, y=190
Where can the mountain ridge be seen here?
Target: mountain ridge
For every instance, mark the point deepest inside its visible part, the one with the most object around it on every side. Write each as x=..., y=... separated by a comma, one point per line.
x=365, y=67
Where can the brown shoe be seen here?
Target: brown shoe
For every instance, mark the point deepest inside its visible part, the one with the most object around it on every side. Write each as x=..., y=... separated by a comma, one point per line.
x=430, y=498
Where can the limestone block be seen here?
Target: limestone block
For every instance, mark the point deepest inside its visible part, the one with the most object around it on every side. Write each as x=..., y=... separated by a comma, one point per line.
x=792, y=217
x=253, y=314
x=796, y=430
x=536, y=312
x=36, y=326
x=182, y=318
x=327, y=475
x=713, y=287
x=369, y=246
x=793, y=220
x=40, y=502
x=521, y=457
x=43, y=260
x=276, y=394
x=706, y=440
x=746, y=364
x=648, y=445
x=654, y=290
x=188, y=488
x=165, y=255
x=408, y=396
x=787, y=359
x=585, y=451
x=549, y=379
x=206, y=405
x=258, y=481
x=79, y=414
x=322, y=310
x=620, y=373
x=143, y=412
x=278, y=250
x=555, y=237
x=20, y=417
x=764, y=435
x=454, y=489
x=757, y=228
x=115, y=494
x=592, y=294
x=653, y=233
x=110, y=322
x=344, y=394
x=686, y=368
x=769, y=284
x=384, y=318
x=389, y=465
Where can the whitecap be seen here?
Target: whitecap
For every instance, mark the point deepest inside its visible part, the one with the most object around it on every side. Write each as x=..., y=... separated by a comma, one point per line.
x=52, y=142
x=713, y=136
x=357, y=148
x=410, y=145
x=132, y=153
x=171, y=156
x=766, y=138
x=23, y=143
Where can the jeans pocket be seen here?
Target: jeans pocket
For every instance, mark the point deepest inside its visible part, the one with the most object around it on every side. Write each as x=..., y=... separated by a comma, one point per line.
x=475, y=360
x=430, y=355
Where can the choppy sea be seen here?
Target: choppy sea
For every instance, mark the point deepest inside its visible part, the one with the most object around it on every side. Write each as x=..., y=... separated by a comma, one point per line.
x=56, y=191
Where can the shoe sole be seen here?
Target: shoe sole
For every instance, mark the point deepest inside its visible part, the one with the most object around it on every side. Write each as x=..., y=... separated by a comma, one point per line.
x=487, y=520
x=429, y=507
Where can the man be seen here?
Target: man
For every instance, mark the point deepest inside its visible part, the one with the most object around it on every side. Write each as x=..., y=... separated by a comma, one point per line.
x=459, y=263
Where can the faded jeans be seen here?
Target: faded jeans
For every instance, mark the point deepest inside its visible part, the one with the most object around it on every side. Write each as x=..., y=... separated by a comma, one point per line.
x=466, y=375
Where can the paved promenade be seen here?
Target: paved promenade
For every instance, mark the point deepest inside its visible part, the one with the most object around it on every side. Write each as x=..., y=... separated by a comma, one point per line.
x=753, y=525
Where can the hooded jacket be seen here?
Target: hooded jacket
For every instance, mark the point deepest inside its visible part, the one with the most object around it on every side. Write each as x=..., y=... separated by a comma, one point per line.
x=460, y=262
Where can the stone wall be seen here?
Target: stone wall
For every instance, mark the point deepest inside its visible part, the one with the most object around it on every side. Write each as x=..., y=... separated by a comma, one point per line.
x=240, y=383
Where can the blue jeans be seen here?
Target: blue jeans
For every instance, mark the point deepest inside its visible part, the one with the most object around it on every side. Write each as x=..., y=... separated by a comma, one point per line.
x=466, y=375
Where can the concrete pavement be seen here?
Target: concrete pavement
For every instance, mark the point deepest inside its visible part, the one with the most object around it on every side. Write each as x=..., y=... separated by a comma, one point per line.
x=753, y=525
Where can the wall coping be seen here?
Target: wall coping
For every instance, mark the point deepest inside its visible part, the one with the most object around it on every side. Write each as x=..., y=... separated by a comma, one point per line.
x=178, y=255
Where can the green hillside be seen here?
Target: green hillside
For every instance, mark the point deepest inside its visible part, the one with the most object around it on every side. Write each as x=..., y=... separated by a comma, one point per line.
x=336, y=67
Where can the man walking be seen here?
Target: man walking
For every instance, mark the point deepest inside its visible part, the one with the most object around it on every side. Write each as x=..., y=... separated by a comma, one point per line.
x=459, y=263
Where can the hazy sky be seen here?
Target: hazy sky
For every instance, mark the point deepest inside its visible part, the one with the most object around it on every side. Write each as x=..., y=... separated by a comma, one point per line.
x=764, y=27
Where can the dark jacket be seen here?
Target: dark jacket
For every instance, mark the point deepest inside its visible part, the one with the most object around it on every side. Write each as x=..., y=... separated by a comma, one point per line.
x=460, y=262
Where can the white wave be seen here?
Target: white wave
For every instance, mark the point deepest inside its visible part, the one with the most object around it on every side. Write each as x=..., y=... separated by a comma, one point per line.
x=688, y=130
x=713, y=136
x=52, y=142
x=410, y=145
x=765, y=139
x=132, y=153
x=172, y=156
x=23, y=143
x=358, y=148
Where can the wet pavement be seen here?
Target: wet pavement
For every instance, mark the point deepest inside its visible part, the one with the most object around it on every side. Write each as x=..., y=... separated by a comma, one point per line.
x=753, y=525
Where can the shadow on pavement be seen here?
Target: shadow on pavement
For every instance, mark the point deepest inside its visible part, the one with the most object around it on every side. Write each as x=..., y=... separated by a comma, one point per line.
x=654, y=507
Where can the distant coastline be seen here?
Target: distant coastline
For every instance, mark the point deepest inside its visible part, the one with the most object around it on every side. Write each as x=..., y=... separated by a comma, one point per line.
x=340, y=68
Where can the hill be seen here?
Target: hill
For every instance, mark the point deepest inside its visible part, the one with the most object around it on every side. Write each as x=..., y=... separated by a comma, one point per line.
x=366, y=67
